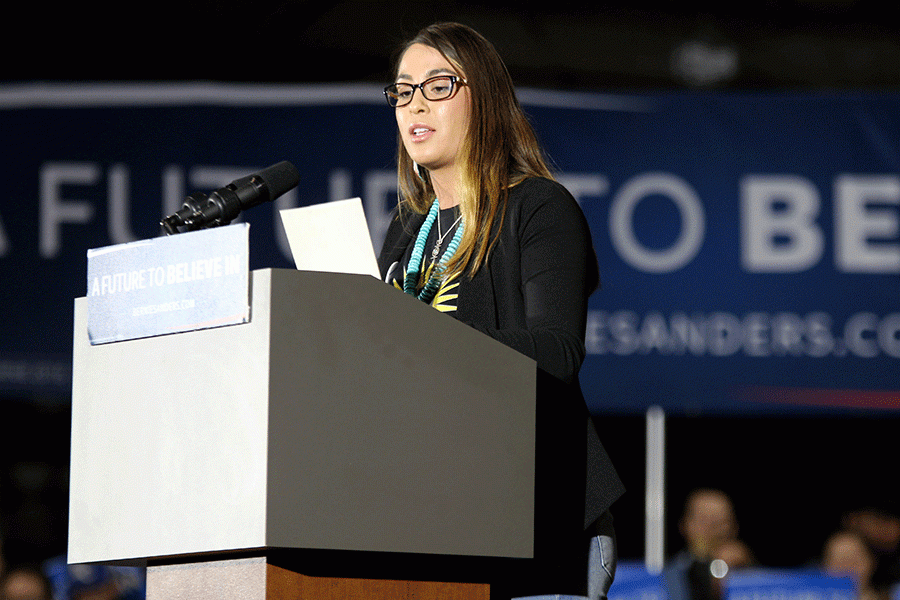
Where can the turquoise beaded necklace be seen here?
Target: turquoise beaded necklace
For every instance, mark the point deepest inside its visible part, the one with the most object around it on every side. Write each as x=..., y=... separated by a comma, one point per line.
x=426, y=294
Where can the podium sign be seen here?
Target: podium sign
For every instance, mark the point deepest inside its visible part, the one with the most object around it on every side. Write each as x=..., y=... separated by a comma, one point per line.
x=172, y=284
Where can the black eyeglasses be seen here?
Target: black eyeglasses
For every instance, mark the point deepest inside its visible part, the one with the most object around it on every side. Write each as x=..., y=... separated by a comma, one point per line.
x=435, y=88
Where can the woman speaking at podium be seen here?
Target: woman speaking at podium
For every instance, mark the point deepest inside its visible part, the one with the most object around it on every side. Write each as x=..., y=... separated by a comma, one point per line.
x=484, y=233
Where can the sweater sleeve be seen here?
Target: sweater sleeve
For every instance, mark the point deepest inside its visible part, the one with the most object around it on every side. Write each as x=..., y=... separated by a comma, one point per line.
x=558, y=272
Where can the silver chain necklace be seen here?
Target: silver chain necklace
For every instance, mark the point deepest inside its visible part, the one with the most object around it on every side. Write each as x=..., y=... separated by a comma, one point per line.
x=440, y=237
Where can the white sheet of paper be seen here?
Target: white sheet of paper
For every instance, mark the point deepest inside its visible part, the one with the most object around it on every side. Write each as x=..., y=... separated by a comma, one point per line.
x=331, y=237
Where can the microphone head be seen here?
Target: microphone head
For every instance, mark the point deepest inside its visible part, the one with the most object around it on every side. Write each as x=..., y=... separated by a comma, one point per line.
x=279, y=178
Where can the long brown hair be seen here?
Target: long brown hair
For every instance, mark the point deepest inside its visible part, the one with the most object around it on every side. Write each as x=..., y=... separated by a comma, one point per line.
x=500, y=151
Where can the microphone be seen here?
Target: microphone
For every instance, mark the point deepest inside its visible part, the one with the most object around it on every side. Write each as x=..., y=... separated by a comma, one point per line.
x=223, y=205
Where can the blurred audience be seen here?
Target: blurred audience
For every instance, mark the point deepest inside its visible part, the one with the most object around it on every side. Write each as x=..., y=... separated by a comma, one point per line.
x=846, y=553
x=24, y=583
x=735, y=554
x=731, y=556
x=54, y=579
x=94, y=582
x=708, y=522
x=881, y=532
x=709, y=527
x=866, y=547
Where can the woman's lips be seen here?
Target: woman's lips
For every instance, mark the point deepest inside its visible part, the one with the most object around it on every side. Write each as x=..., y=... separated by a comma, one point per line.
x=419, y=132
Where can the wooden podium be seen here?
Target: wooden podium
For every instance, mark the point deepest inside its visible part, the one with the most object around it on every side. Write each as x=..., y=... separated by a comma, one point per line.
x=348, y=442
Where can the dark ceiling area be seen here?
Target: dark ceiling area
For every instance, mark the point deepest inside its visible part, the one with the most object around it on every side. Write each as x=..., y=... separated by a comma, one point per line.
x=610, y=45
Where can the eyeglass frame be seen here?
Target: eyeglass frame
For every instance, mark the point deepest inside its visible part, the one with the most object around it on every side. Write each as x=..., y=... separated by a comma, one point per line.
x=454, y=79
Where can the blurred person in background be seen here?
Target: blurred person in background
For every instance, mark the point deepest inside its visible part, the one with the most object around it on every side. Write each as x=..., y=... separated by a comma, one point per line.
x=24, y=583
x=735, y=553
x=731, y=556
x=708, y=522
x=707, y=525
x=846, y=553
x=880, y=529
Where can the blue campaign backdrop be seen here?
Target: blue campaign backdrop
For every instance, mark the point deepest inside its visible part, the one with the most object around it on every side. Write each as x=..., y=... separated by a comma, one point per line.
x=749, y=243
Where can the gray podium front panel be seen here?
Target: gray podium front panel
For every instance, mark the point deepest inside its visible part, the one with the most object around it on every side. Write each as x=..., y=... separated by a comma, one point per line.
x=345, y=415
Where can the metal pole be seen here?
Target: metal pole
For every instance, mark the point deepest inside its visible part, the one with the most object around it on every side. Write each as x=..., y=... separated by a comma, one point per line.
x=654, y=505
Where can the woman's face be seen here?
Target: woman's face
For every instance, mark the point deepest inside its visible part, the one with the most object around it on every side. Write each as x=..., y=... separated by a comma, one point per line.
x=433, y=131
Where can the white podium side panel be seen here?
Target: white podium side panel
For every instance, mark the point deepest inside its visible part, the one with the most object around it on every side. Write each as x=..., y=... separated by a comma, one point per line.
x=168, y=442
